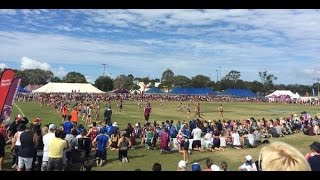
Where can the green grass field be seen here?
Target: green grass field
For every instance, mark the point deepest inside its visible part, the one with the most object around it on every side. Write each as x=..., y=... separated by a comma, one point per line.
x=144, y=159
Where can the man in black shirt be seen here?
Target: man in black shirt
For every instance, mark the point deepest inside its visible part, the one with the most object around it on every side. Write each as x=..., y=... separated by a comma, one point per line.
x=29, y=141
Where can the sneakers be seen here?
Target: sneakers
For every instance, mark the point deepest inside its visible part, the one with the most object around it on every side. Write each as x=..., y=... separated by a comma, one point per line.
x=125, y=160
x=14, y=166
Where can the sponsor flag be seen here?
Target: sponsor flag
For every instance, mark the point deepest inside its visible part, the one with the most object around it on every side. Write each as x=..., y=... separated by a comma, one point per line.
x=5, y=82
x=7, y=108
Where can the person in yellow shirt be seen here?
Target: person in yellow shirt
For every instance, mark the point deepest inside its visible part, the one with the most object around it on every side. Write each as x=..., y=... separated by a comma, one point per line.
x=55, y=151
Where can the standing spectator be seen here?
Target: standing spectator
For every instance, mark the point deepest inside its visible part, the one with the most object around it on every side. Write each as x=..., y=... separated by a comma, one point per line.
x=94, y=131
x=74, y=117
x=68, y=125
x=314, y=157
x=102, y=142
x=16, y=144
x=55, y=151
x=29, y=140
x=147, y=112
x=46, y=139
x=124, y=144
x=107, y=115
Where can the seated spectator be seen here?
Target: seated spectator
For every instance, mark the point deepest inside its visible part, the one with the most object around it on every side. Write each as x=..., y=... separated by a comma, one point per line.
x=280, y=156
x=196, y=167
x=314, y=157
x=156, y=167
x=209, y=163
x=249, y=165
x=182, y=166
x=224, y=166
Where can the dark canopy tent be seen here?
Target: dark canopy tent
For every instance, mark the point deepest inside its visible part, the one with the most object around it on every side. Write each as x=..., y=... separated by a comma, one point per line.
x=22, y=90
x=239, y=93
x=192, y=91
x=154, y=90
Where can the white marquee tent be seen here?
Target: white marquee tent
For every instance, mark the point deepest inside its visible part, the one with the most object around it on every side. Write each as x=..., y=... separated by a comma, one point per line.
x=278, y=93
x=67, y=88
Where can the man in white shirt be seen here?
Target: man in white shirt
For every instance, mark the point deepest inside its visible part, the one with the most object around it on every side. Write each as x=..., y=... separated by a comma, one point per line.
x=46, y=139
x=196, y=144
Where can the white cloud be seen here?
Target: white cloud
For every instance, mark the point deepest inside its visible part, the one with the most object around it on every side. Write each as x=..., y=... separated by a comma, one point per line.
x=27, y=63
x=2, y=66
x=8, y=11
x=89, y=79
x=60, y=72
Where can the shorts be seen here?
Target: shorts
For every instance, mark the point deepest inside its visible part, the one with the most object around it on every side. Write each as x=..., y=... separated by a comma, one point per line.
x=196, y=143
x=101, y=154
x=25, y=162
x=186, y=146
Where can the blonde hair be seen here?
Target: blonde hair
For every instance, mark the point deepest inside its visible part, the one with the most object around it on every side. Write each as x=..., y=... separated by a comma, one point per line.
x=44, y=130
x=280, y=156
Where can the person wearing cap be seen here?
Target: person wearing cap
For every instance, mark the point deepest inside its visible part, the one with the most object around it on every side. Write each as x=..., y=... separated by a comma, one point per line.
x=182, y=166
x=46, y=139
x=249, y=165
x=196, y=167
x=314, y=157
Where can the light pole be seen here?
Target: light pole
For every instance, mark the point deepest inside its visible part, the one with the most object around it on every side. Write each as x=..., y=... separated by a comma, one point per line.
x=217, y=75
x=104, y=69
x=220, y=72
x=318, y=86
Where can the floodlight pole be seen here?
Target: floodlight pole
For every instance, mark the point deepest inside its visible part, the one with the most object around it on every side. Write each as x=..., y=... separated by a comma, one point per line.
x=104, y=69
x=318, y=87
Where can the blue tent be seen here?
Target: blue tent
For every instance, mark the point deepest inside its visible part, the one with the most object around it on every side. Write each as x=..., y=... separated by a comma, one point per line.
x=22, y=90
x=154, y=90
x=192, y=91
x=239, y=93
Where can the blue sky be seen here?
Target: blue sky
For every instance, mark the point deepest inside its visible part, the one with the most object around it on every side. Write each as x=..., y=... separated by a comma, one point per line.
x=285, y=43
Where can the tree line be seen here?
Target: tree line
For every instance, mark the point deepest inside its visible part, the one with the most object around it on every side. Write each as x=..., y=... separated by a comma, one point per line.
x=168, y=81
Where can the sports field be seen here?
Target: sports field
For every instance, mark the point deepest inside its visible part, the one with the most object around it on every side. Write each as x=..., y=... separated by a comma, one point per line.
x=143, y=159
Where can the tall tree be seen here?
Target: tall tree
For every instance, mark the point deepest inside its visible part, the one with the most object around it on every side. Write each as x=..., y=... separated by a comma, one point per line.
x=104, y=83
x=182, y=81
x=55, y=79
x=167, y=79
x=200, y=81
x=34, y=76
x=233, y=75
x=267, y=80
x=74, y=77
x=123, y=82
